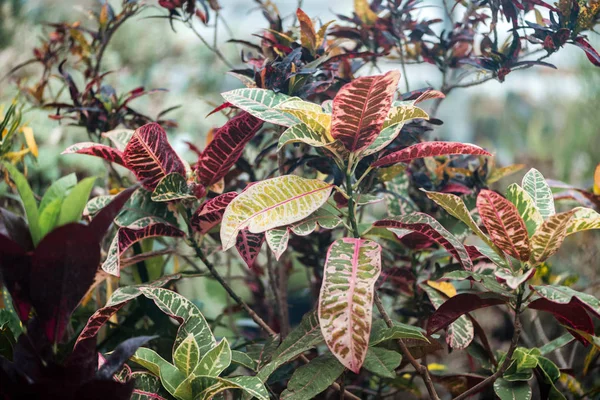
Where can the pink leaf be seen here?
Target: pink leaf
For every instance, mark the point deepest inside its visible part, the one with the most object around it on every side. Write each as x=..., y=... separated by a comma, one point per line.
x=248, y=245
x=590, y=52
x=150, y=156
x=99, y=150
x=210, y=213
x=360, y=108
x=226, y=147
x=429, y=149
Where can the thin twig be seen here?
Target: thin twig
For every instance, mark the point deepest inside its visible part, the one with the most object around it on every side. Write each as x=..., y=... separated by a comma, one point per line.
x=211, y=48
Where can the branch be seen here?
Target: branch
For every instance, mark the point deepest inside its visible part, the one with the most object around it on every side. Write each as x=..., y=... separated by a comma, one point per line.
x=421, y=369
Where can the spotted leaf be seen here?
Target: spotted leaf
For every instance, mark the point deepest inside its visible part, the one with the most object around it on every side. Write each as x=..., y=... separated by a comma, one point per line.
x=172, y=187
x=210, y=213
x=504, y=224
x=215, y=361
x=429, y=149
x=360, y=109
x=346, y=298
x=272, y=203
x=537, y=187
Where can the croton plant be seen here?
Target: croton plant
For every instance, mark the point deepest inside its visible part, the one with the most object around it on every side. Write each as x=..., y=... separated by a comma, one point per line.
x=334, y=173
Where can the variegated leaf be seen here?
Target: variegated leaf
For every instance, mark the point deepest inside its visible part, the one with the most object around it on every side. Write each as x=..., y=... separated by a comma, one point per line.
x=565, y=295
x=549, y=237
x=191, y=319
x=308, y=36
x=172, y=187
x=126, y=237
x=398, y=199
x=248, y=245
x=360, y=108
x=526, y=207
x=150, y=156
x=429, y=149
x=318, y=121
x=499, y=173
x=277, y=240
x=537, y=187
x=583, y=220
x=302, y=133
x=169, y=375
x=461, y=332
x=95, y=205
x=296, y=103
x=326, y=217
x=147, y=387
x=249, y=384
x=99, y=150
x=456, y=207
x=513, y=280
x=428, y=226
x=119, y=137
x=187, y=355
x=210, y=213
x=504, y=224
x=261, y=103
x=215, y=360
x=346, y=298
x=327, y=106
x=272, y=203
x=392, y=126
x=226, y=147
x=140, y=206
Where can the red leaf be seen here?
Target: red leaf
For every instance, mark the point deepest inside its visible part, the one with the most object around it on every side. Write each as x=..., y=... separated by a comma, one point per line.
x=360, y=108
x=429, y=149
x=98, y=150
x=150, y=156
x=128, y=236
x=15, y=268
x=248, y=245
x=219, y=108
x=101, y=222
x=504, y=224
x=459, y=305
x=226, y=147
x=590, y=52
x=210, y=213
x=571, y=314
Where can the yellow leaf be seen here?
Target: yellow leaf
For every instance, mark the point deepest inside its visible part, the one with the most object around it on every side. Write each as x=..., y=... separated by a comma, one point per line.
x=445, y=287
x=364, y=12
x=218, y=187
x=597, y=180
x=16, y=156
x=436, y=367
x=30, y=140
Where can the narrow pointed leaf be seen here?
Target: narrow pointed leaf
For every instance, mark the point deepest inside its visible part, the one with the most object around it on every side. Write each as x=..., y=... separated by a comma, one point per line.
x=99, y=150
x=537, y=187
x=526, y=207
x=72, y=206
x=261, y=104
x=29, y=202
x=428, y=226
x=429, y=149
x=210, y=213
x=215, y=361
x=172, y=187
x=346, y=298
x=58, y=190
x=308, y=36
x=549, y=237
x=226, y=147
x=382, y=362
x=313, y=378
x=277, y=240
x=360, y=108
x=150, y=156
x=272, y=203
x=187, y=355
x=499, y=173
x=248, y=245
x=49, y=216
x=504, y=224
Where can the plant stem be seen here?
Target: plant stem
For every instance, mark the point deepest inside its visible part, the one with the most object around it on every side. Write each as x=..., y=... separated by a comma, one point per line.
x=421, y=369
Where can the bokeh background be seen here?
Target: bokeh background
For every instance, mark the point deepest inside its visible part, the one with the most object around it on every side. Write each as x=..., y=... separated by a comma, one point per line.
x=543, y=118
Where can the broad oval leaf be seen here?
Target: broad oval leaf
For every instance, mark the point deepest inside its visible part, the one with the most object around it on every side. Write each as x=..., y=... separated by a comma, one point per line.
x=261, y=103
x=210, y=213
x=382, y=362
x=526, y=207
x=549, y=237
x=187, y=355
x=172, y=187
x=248, y=245
x=272, y=203
x=564, y=295
x=537, y=187
x=504, y=224
x=99, y=150
x=429, y=149
x=381, y=332
x=313, y=378
x=360, y=108
x=428, y=226
x=506, y=390
x=226, y=147
x=150, y=156
x=249, y=384
x=326, y=217
x=302, y=133
x=215, y=361
x=346, y=298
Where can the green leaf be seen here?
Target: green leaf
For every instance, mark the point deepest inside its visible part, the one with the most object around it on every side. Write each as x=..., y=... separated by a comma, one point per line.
x=551, y=374
x=380, y=332
x=58, y=190
x=149, y=359
x=398, y=199
x=302, y=133
x=140, y=206
x=487, y=280
x=249, y=384
x=172, y=187
x=326, y=217
x=215, y=360
x=261, y=103
x=584, y=219
x=49, y=216
x=556, y=344
x=9, y=317
x=170, y=377
x=313, y=378
x=272, y=203
x=187, y=355
x=526, y=207
x=243, y=359
x=564, y=295
x=96, y=204
x=277, y=239
x=29, y=202
x=382, y=362
x=537, y=187
x=506, y=390
x=73, y=205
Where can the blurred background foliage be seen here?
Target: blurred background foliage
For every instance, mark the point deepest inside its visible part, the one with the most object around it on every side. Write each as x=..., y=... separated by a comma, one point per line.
x=543, y=118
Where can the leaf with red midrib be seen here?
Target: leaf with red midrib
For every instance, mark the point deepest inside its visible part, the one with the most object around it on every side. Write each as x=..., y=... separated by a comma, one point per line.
x=248, y=245
x=360, y=108
x=504, y=224
x=99, y=150
x=429, y=149
x=210, y=213
x=226, y=147
x=150, y=156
